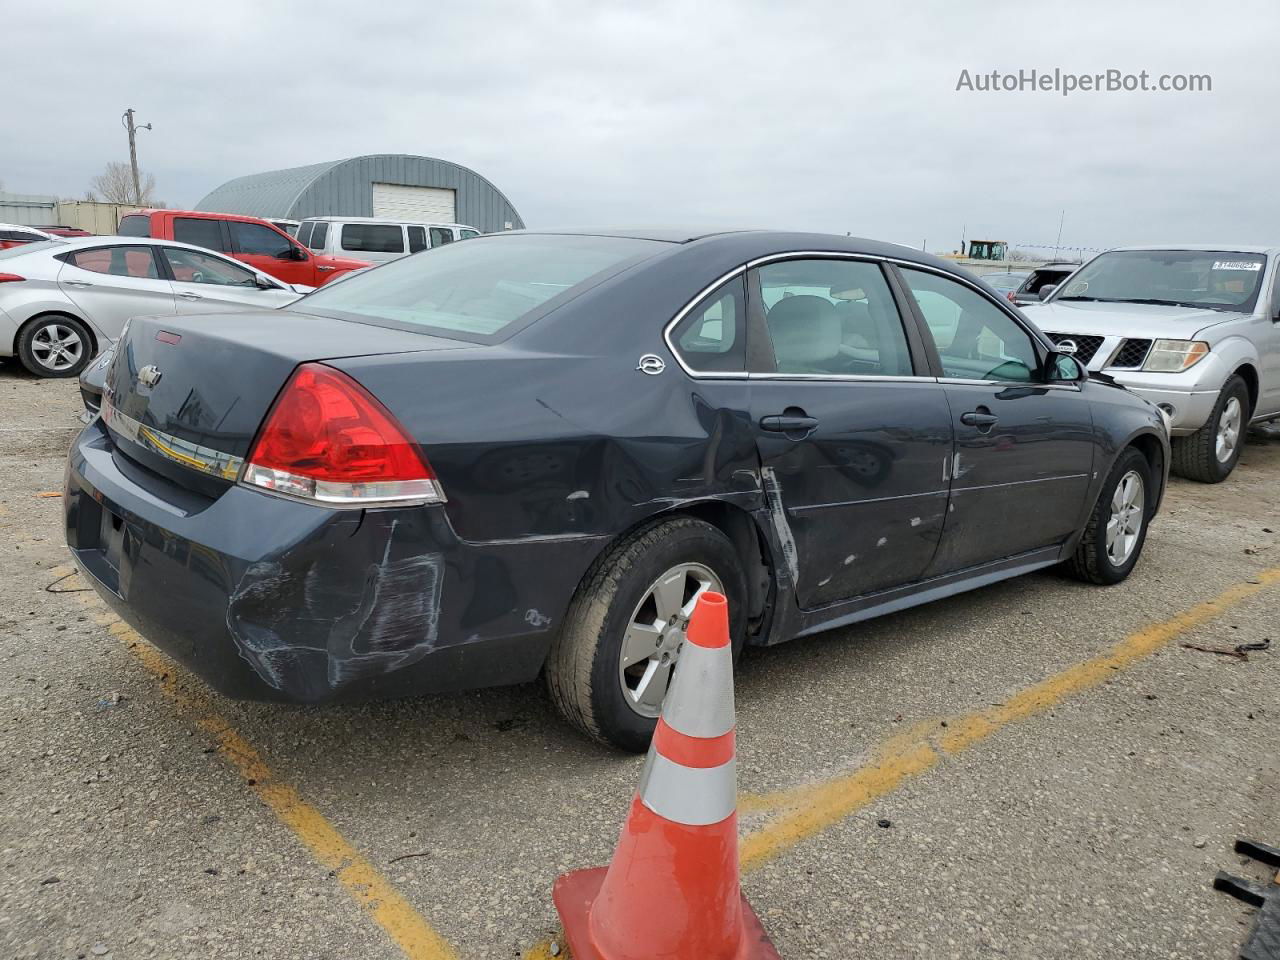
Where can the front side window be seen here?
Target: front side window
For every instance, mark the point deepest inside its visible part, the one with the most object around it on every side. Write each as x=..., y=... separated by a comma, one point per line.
x=198, y=231
x=122, y=261
x=473, y=291
x=372, y=238
x=134, y=225
x=417, y=238
x=319, y=235
x=976, y=340
x=190, y=266
x=1211, y=279
x=711, y=337
x=834, y=317
x=260, y=241
x=440, y=236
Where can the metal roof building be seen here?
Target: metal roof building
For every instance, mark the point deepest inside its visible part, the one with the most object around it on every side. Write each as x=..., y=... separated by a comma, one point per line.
x=390, y=185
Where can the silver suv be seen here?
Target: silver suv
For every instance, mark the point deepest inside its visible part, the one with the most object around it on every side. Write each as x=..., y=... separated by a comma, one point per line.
x=1194, y=329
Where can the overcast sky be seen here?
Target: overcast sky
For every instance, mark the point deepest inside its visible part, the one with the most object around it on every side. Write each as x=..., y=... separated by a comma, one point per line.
x=835, y=116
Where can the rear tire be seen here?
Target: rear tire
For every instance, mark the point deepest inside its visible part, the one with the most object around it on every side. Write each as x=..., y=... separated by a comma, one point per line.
x=1200, y=456
x=55, y=346
x=584, y=668
x=1105, y=554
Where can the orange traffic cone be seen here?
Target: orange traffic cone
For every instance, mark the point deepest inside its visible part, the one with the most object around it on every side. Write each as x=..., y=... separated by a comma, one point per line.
x=671, y=892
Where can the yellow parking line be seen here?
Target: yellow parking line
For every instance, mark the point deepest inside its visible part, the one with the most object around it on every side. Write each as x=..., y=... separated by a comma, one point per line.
x=811, y=809
x=808, y=810
x=360, y=878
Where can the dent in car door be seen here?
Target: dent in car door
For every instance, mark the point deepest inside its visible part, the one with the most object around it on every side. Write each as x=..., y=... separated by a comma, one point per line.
x=853, y=443
x=1023, y=448
x=112, y=284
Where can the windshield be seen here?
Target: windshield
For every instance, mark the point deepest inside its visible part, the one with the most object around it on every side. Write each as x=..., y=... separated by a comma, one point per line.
x=1213, y=279
x=31, y=247
x=473, y=291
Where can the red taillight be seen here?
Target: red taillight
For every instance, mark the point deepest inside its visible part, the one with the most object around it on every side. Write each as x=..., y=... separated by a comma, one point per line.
x=11, y=278
x=328, y=439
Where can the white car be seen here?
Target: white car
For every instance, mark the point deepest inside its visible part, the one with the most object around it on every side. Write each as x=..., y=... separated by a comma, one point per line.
x=370, y=238
x=1195, y=329
x=64, y=300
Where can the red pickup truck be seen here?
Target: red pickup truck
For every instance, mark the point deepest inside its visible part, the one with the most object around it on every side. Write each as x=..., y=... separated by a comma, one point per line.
x=256, y=242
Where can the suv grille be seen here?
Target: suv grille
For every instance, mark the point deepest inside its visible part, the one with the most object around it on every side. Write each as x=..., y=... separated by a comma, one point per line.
x=1131, y=353
x=1086, y=346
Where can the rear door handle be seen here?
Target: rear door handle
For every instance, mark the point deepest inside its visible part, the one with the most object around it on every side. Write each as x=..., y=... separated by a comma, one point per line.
x=983, y=421
x=788, y=424
x=191, y=296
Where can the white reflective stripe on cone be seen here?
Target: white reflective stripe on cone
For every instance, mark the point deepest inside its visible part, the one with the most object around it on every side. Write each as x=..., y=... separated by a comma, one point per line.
x=693, y=796
x=700, y=701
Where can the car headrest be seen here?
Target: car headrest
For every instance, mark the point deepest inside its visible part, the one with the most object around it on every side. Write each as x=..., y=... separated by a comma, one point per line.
x=805, y=330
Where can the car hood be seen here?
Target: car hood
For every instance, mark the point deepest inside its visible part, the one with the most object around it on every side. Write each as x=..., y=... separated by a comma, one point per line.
x=1139, y=320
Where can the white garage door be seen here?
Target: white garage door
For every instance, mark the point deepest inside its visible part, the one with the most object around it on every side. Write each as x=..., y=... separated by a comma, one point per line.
x=393, y=201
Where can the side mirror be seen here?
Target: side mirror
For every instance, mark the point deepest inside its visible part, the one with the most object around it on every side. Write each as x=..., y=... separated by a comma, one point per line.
x=292, y=253
x=1064, y=368
x=262, y=283
x=1047, y=291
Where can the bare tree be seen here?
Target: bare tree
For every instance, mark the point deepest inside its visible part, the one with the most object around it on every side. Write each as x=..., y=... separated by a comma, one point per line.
x=115, y=185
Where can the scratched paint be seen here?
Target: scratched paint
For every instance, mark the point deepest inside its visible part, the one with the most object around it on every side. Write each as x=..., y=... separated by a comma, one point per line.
x=320, y=624
x=781, y=527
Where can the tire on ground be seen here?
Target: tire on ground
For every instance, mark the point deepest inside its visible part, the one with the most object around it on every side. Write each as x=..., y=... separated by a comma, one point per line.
x=26, y=355
x=1196, y=457
x=582, y=667
x=1090, y=562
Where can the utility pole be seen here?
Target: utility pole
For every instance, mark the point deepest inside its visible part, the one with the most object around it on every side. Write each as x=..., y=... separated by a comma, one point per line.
x=127, y=119
x=1059, y=243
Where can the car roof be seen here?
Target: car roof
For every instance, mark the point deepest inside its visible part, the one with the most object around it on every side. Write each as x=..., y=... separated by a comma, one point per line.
x=663, y=234
x=1207, y=247
x=208, y=214
x=391, y=220
x=20, y=226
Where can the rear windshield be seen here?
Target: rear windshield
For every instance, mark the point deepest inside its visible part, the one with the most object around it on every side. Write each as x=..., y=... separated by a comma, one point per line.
x=474, y=291
x=32, y=247
x=1217, y=279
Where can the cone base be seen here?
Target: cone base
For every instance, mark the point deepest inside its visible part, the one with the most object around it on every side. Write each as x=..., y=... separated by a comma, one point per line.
x=575, y=892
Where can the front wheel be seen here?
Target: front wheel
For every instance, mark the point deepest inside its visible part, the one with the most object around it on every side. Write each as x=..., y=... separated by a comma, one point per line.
x=1212, y=452
x=610, y=666
x=1117, y=529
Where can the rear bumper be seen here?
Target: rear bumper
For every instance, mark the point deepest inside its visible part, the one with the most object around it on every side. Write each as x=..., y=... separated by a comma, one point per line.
x=272, y=599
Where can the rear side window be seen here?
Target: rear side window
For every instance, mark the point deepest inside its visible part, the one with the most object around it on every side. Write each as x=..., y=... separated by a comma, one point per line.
x=319, y=235
x=137, y=262
x=440, y=236
x=473, y=291
x=134, y=226
x=833, y=317
x=258, y=240
x=711, y=337
x=199, y=231
x=468, y=234
x=417, y=238
x=304, y=232
x=372, y=238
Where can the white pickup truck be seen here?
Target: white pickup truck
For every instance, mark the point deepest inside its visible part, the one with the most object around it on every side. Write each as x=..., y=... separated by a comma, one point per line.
x=1195, y=329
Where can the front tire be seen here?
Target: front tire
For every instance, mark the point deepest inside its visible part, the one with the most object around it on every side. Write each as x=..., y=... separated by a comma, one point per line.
x=55, y=346
x=1212, y=452
x=610, y=665
x=1117, y=529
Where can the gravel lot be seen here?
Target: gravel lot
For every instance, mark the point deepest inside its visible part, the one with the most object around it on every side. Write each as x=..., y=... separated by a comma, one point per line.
x=1084, y=821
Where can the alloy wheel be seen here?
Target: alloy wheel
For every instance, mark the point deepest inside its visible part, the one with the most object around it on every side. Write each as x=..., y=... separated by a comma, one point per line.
x=1124, y=526
x=1228, y=437
x=57, y=346
x=655, y=634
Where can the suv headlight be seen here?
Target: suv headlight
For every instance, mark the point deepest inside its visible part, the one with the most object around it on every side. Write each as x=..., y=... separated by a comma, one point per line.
x=1174, y=356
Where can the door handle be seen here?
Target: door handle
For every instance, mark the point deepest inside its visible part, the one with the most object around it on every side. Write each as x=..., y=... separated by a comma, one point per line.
x=78, y=283
x=980, y=418
x=788, y=423
x=324, y=268
x=190, y=296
